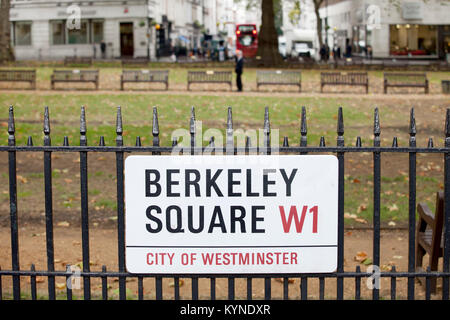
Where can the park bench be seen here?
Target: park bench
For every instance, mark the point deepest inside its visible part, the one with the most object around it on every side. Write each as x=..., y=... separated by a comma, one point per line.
x=19, y=76
x=278, y=77
x=77, y=61
x=414, y=80
x=344, y=78
x=429, y=235
x=135, y=63
x=78, y=76
x=209, y=76
x=136, y=76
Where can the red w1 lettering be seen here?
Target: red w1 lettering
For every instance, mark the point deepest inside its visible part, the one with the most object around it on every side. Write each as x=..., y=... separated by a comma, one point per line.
x=293, y=215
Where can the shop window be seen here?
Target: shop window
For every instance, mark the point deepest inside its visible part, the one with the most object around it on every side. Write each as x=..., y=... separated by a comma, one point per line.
x=58, y=32
x=89, y=32
x=413, y=40
x=97, y=31
x=78, y=36
x=22, y=33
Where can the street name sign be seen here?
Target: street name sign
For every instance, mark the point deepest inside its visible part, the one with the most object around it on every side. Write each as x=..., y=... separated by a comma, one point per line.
x=246, y=214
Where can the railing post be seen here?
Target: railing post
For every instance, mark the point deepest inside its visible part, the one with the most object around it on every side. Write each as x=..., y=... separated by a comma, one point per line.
x=412, y=206
x=120, y=204
x=446, y=262
x=229, y=133
x=84, y=205
x=13, y=204
x=376, y=197
x=303, y=131
x=192, y=130
x=49, y=205
x=341, y=186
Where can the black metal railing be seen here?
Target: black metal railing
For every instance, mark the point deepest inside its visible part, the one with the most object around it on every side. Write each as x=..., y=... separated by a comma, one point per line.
x=229, y=148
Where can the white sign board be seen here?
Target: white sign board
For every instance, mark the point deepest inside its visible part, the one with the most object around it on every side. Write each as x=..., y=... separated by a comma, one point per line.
x=412, y=10
x=231, y=214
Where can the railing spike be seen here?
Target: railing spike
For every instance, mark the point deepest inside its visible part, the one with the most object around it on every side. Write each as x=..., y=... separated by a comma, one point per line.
x=230, y=118
x=46, y=121
x=248, y=142
x=119, y=124
x=285, y=142
x=138, y=141
x=66, y=141
x=83, y=121
x=430, y=143
x=412, y=123
x=322, y=141
x=11, y=125
x=395, y=143
x=30, y=141
x=376, y=128
x=192, y=121
x=447, y=124
x=266, y=120
x=211, y=142
x=155, y=129
x=340, y=122
x=102, y=141
x=303, y=129
x=174, y=141
x=119, y=127
x=358, y=142
x=376, y=123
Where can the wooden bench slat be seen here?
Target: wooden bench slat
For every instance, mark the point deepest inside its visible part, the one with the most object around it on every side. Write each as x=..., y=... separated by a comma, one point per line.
x=75, y=76
x=16, y=75
x=144, y=76
x=349, y=78
x=404, y=80
x=278, y=77
x=210, y=76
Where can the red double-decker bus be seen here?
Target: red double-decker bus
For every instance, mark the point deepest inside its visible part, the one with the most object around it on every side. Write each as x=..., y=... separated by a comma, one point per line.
x=247, y=39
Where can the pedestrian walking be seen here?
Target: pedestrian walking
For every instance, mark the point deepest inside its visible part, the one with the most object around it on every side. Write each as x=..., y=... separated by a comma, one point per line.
x=239, y=69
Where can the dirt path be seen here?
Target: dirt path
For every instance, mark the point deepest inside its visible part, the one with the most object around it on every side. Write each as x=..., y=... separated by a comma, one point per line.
x=103, y=251
x=249, y=92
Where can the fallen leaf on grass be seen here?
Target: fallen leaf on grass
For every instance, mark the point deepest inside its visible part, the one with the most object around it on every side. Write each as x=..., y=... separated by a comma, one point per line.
x=397, y=257
x=386, y=267
x=63, y=224
x=22, y=179
x=392, y=224
x=281, y=280
x=360, y=256
x=361, y=208
x=350, y=216
x=180, y=283
x=360, y=220
x=60, y=286
x=393, y=207
x=39, y=279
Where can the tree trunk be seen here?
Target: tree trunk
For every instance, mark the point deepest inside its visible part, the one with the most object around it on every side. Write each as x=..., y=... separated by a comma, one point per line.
x=317, y=4
x=6, y=53
x=268, y=37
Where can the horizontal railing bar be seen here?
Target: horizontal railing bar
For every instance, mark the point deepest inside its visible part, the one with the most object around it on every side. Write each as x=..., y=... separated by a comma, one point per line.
x=222, y=149
x=404, y=274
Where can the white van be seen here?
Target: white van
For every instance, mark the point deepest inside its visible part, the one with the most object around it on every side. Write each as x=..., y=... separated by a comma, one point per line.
x=302, y=43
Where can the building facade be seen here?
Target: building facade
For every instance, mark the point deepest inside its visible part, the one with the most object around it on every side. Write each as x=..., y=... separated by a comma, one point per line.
x=46, y=29
x=389, y=28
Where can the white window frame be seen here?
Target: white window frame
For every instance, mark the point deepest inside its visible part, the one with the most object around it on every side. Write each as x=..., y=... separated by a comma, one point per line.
x=15, y=33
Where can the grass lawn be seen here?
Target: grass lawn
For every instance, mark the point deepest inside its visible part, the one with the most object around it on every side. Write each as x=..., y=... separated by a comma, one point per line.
x=248, y=113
